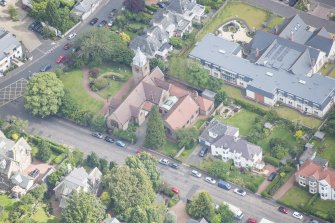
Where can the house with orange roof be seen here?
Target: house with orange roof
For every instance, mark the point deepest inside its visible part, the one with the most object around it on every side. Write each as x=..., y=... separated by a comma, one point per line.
x=317, y=177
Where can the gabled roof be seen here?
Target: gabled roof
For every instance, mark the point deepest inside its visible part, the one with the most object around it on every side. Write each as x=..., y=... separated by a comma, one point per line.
x=177, y=6
x=85, y=5
x=219, y=129
x=7, y=43
x=295, y=29
x=204, y=103
x=139, y=59
x=322, y=43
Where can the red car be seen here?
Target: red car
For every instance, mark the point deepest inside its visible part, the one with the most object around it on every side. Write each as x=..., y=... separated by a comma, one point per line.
x=175, y=190
x=251, y=220
x=60, y=59
x=283, y=210
x=67, y=46
x=139, y=151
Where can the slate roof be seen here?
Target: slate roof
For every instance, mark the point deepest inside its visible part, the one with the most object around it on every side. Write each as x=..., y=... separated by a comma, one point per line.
x=110, y=220
x=85, y=5
x=25, y=182
x=219, y=129
x=7, y=43
x=139, y=59
x=322, y=43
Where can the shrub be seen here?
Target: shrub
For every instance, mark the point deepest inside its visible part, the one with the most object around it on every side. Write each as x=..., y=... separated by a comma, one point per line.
x=173, y=200
x=58, y=159
x=100, y=83
x=94, y=72
x=271, y=160
x=166, y=190
x=128, y=135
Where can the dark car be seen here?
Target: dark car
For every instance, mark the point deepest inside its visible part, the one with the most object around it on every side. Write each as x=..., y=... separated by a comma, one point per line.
x=161, y=5
x=203, y=152
x=93, y=21
x=292, y=2
x=272, y=176
x=283, y=210
x=3, y=2
x=174, y=165
x=98, y=135
x=68, y=46
x=102, y=23
x=109, y=139
x=46, y=68
x=34, y=173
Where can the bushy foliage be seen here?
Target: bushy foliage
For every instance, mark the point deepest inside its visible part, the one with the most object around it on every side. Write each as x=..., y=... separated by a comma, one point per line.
x=201, y=206
x=155, y=134
x=128, y=135
x=187, y=137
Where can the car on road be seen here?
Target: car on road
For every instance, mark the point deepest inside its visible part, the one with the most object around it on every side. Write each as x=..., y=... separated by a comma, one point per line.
x=283, y=210
x=98, y=135
x=251, y=220
x=292, y=2
x=175, y=190
x=297, y=215
x=224, y=185
x=313, y=221
x=102, y=23
x=60, y=59
x=112, y=13
x=34, y=173
x=120, y=144
x=72, y=36
x=163, y=161
x=174, y=165
x=195, y=173
x=110, y=23
x=68, y=46
x=272, y=176
x=161, y=5
x=3, y=3
x=46, y=68
x=109, y=139
x=203, y=152
x=93, y=21
x=210, y=180
x=240, y=192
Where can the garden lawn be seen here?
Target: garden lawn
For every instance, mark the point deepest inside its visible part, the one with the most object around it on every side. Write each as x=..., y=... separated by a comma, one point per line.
x=296, y=197
x=281, y=132
x=41, y=216
x=254, y=17
x=170, y=149
x=199, y=123
x=73, y=82
x=185, y=154
x=332, y=74
x=7, y=204
x=329, y=151
x=276, y=20
x=294, y=116
x=321, y=208
x=244, y=120
x=326, y=68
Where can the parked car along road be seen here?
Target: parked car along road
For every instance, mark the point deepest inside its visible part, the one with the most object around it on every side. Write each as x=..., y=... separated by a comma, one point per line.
x=102, y=23
x=251, y=220
x=283, y=210
x=46, y=68
x=240, y=192
x=60, y=59
x=163, y=161
x=67, y=46
x=297, y=215
x=196, y=173
x=98, y=135
x=34, y=173
x=109, y=139
x=224, y=185
x=120, y=144
x=93, y=21
x=174, y=165
x=210, y=180
x=72, y=36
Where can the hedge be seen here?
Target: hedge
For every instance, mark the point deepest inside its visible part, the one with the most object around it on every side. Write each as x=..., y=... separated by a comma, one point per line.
x=271, y=160
x=58, y=159
x=56, y=148
x=276, y=184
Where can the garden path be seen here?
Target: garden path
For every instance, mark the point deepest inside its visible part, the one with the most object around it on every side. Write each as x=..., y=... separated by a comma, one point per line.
x=283, y=189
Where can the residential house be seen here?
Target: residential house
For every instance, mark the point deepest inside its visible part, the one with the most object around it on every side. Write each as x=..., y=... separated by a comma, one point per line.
x=10, y=50
x=309, y=153
x=175, y=20
x=84, y=8
x=15, y=157
x=22, y=184
x=224, y=141
x=110, y=220
x=195, y=221
x=317, y=177
x=77, y=180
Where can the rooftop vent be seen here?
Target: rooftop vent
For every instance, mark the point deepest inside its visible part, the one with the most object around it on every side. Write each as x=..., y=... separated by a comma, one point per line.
x=302, y=82
x=222, y=51
x=269, y=74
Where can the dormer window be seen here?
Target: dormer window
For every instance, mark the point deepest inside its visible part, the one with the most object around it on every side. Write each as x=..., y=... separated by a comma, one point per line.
x=213, y=135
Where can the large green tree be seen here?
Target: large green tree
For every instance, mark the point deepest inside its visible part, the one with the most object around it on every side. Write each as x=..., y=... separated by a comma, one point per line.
x=220, y=97
x=155, y=134
x=148, y=163
x=44, y=94
x=83, y=207
x=187, y=137
x=202, y=206
x=225, y=214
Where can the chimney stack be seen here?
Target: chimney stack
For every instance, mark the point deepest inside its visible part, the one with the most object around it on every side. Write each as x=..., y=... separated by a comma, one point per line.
x=257, y=52
x=313, y=62
x=276, y=29
x=196, y=94
x=292, y=35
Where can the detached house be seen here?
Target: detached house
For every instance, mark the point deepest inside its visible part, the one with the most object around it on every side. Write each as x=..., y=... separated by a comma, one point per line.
x=10, y=49
x=77, y=180
x=317, y=177
x=84, y=8
x=224, y=141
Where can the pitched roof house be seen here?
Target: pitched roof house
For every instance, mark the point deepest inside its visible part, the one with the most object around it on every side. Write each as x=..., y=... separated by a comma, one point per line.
x=84, y=8
x=10, y=48
x=318, y=178
x=77, y=180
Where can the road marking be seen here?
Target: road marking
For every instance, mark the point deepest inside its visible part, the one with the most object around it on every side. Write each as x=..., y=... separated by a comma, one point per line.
x=13, y=91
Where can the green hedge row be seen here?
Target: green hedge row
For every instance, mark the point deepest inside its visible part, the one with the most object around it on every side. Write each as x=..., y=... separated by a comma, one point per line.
x=58, y=159
x=271, y=160
x=56, y=148
x=276, y=184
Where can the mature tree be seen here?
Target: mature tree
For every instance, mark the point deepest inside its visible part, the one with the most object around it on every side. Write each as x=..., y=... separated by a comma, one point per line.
x=105, y=198
x=148, y=164
x=102, y=45
x=155, y=134
x=298, y=134
x=138, y=215
x=128, y=188
x=226, y=215
x=198, y=75
x=187, y=137
x=157, y=62
x=44, y=94
x=220, y=97
x=155, y=212
x=201, y=206
x=44, y=152
x=134, y=5
x=329, y=125
x=39, y=191
x=279, y=151
x=171, y=217
x=331, y=214
x=124, y=37
x=217, y=219
x=103, y=165
x=92, y=160
x=83, y=207
x=76, y=158
x=12, y=12
x=176, y=42
x=38, y=10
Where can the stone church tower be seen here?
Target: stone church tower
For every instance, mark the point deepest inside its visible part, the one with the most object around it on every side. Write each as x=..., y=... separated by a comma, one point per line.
x=140, y=66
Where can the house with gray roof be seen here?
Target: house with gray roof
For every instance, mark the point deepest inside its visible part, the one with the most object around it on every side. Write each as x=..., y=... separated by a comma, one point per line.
x=10, y=48
x=77, y=180
x=84, y=8
x=224, y=141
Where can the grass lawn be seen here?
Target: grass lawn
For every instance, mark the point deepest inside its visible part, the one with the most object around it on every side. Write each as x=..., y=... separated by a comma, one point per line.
x=186, y=153
x=73, y=82
x=276, y=20
x=199, y=123
x=296, y=197
x=7, y=203
x=332, y=74
x=295, y=116
x=255, y=17
x=329, y=151
x=279, y=132
x=41, y=216
x=111, y=89
x=326, y=68
x=243, y=120
x=170, y=149
x=322, y=208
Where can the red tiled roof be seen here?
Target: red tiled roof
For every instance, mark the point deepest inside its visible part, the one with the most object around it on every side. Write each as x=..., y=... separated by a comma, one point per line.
x=204, y=103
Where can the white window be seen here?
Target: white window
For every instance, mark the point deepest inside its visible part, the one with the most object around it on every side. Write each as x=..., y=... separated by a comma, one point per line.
x=302, y=183
x=312, y=190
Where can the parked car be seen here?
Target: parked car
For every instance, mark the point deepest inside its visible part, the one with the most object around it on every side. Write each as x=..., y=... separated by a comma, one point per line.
x=313, y=221
x=297, y=215
x=223, y=184
x=110, y=23
x=120, y=144
x=68, y=46
x=161, y=5
x=174, y=165
x=60, y=59
x=98, y=135
x=240, y=192
x=93, y=21
x=203, y=152
x=112, y=13
x=163, y=161
x=34, y=173
x=195, y=173
x=251, y=220
x=283, y=210
x=72, y=36
x=3, y=3
x=272, y=176
x=109, y=139
x=292, y=2
x=175, y=190
x=46, y=68
x=37, y=27
x=102, y=23
x=210, y=180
